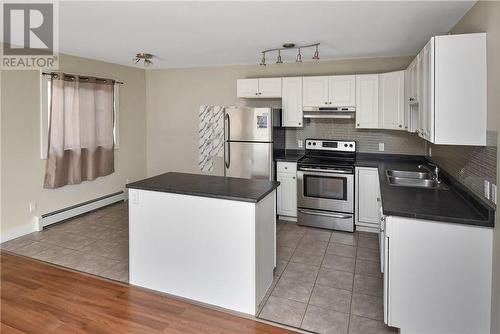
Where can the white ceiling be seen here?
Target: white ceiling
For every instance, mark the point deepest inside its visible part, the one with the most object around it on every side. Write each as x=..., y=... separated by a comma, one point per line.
x=187, y=34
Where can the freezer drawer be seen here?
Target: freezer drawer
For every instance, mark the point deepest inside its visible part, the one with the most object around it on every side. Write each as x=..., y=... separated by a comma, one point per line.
x=249, y=160
x=248, y=124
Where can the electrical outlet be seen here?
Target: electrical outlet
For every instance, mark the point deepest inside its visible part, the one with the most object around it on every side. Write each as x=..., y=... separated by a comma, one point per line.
x=494, y=193
x=32, y=207
x=487, y=189
x=135, y=198
x=299, y=143
x=381, y=147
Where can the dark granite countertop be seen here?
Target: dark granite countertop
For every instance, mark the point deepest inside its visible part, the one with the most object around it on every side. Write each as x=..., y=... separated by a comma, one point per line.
x=455, y=205
x=290, y=156
x=231, y=188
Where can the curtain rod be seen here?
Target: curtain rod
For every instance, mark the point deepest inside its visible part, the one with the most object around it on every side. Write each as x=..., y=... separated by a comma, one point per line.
x=80, y=75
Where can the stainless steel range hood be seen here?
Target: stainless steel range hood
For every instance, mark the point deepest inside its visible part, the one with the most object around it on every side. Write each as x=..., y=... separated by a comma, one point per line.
x=330, y=112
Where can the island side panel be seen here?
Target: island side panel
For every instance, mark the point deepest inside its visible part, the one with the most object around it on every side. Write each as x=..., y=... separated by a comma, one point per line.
x=265, y=244
x=194, y=247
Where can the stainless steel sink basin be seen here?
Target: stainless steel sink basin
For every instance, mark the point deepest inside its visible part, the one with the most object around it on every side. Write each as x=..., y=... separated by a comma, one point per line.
x=408, y=174
x=413, y=179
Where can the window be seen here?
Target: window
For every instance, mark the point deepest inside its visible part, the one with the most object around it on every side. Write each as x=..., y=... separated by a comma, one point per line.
x=45, y=96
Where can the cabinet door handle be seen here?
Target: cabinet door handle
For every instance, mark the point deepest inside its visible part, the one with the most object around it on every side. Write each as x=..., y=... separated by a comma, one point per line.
x=357, y=124
x=400, y=126
x=293, y=177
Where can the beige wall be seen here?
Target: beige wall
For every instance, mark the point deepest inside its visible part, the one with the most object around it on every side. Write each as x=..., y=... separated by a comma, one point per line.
x=485, y=17
x=174, y=96
x=21, y=166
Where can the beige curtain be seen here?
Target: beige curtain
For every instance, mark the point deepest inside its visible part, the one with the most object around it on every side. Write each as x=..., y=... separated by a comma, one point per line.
x=81, y=138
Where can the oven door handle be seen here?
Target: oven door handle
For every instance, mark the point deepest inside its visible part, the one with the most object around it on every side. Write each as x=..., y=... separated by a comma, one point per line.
x=318, y=213
x=332, y=171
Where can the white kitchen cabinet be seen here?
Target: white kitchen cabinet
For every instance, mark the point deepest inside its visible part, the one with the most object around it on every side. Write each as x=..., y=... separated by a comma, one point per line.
x=315, y=91
x=431, y=275
x=247, y=88
x=367, y=101
x=329, y=91
x=391, y=100
x=411, y=105
x=451, y=90
x=342, y=90
x=287, y=190
x=259, y=88
x=367, y=198
x=291, y=102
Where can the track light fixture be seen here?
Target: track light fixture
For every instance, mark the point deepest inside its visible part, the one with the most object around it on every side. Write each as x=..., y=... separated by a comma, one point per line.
x=316, y=54
x=291, y=46
x=146, y=57
x=278, y=60
x=299, y=57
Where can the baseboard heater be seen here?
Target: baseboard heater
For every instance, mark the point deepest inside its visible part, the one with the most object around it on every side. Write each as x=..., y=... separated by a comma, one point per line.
x=76, y=210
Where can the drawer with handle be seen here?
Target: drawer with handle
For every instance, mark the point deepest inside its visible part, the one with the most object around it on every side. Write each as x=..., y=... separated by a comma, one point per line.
x=287, y=167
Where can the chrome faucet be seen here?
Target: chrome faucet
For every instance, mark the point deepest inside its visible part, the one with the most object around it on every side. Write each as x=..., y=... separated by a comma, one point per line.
x=435, y=172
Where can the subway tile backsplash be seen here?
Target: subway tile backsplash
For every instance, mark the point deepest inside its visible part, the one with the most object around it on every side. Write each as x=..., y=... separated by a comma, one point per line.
x=395, y=142
x=471, y=165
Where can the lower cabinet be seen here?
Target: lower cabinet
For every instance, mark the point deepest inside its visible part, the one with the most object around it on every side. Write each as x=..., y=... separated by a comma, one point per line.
x=437, y=276
x=287, y=191
x=366, y=199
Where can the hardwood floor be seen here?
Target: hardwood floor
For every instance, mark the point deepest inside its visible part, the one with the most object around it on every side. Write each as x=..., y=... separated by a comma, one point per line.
x=39, y=298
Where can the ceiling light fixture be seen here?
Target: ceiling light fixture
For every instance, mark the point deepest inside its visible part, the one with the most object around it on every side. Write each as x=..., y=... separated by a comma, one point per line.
x=316, y=54
x=263, y=60
x=279, y=60
x=291, y=46
x=299, y=57
x=145, y=57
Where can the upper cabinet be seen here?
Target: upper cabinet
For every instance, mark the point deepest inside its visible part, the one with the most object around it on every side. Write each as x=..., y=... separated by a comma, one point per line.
x=291, y=102
x=449, y=97
x=367, y=101
x=329, y=91
x=342, y=90
x=392, y=100
x=315, y=92
x=259, y=88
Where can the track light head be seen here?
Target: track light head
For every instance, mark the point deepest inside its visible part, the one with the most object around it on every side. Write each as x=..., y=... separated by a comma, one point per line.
x=316, y=54
x=279, y=60
x=299, y=57
x=263, y=60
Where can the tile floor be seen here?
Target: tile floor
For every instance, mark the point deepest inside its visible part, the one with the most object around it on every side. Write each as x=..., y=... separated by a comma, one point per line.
x=326, y=282
x=96, y=243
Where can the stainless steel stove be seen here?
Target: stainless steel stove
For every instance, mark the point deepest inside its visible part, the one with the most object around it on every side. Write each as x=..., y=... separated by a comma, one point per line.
x=325, y=194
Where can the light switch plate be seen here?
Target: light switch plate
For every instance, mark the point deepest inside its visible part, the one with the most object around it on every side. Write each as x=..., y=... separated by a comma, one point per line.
x=494, y=193
x=487, y=189
x=32, y=207
x=381, y=147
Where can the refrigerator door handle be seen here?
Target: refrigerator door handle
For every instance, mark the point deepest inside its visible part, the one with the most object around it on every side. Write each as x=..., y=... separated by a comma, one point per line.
x=227, y=161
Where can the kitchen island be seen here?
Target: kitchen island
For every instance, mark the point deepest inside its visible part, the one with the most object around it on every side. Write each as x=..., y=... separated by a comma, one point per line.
x=206, y=238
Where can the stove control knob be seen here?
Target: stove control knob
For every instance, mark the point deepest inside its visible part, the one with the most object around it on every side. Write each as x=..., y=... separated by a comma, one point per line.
x=309, y=143
x=350, y=145
x=314, y=143
x=345, y=145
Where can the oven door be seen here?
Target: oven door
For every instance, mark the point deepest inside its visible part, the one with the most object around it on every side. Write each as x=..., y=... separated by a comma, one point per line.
x=325, y=190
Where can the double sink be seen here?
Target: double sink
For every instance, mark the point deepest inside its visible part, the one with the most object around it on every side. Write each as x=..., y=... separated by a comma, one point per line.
x=414, y=179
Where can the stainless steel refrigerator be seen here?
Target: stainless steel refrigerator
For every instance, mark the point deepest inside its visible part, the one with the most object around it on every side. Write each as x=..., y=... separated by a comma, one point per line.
x=252, y=136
